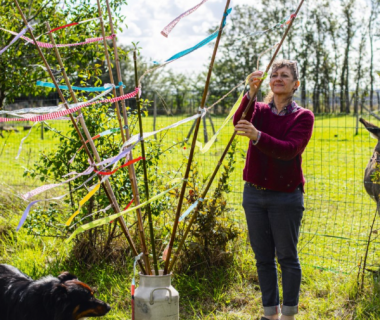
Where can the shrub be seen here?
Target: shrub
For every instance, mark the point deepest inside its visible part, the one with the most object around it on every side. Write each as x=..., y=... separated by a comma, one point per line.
x=214, y=228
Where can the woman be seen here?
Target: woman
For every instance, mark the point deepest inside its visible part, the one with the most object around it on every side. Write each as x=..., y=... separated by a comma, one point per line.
x=279, y=131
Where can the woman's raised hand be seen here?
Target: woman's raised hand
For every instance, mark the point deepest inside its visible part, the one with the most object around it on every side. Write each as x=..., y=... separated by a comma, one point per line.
x=246, y=129
x=254, y=79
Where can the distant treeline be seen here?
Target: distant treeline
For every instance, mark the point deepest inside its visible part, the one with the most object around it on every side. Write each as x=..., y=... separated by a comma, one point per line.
x=334, y=43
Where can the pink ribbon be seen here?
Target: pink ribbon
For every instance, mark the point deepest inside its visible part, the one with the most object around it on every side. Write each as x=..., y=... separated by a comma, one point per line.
x=165, y=32
x=41, y=189
x=62, y=113
x=18, y=35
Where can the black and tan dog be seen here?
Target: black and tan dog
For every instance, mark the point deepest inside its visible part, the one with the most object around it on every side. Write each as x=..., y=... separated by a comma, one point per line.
x=50, y=298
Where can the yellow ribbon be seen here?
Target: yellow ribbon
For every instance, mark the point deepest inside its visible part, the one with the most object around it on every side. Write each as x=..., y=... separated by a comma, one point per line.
x=82, y=202
x=110, y=218
x=208, y=145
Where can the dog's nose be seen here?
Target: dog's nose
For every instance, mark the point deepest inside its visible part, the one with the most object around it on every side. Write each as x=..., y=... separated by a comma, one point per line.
x=108, y=307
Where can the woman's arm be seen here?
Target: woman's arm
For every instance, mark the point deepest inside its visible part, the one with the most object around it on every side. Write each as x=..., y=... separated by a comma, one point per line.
x=295, y=142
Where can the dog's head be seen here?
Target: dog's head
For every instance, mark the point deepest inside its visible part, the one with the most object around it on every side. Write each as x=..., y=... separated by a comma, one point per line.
x=78, y=298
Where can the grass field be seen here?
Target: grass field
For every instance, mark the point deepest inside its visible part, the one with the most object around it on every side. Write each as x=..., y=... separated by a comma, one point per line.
x=334, y=230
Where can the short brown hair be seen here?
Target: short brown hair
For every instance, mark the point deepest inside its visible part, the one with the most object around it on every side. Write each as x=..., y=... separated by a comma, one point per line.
x=291, y=64
x=293, y=67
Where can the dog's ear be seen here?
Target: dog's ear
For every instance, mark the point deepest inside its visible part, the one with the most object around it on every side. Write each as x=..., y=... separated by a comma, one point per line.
x=66, y=276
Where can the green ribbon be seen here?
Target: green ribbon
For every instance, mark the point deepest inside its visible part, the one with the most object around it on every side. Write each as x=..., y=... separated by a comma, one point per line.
x=106, y=220
x=265, y=75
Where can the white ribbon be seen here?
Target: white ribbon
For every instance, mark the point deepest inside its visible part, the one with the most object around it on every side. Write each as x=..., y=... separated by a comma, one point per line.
x=23, y=139
x=136, y=137
x=47, y=110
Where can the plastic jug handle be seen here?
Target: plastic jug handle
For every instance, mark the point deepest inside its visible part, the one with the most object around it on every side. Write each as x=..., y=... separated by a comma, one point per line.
x=151, y=295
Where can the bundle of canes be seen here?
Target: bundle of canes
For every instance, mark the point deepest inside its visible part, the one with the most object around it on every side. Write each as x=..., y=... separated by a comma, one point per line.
x=106, y=185
x=193, y=144
x=131, y=169
x=251, y=101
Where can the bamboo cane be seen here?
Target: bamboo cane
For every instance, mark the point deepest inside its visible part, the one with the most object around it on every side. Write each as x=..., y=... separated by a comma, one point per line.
x=191, y=155
x=199, y=206
x=155, y=265
x=112, y=200
x=131, y=168
x=110, y=68
x=106, y=184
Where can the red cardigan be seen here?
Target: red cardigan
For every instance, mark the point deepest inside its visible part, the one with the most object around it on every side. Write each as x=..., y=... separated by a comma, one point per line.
x=275, y=161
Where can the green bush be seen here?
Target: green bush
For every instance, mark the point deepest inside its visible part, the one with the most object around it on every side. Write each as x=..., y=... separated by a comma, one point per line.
x=104, y=242
x=214, y=229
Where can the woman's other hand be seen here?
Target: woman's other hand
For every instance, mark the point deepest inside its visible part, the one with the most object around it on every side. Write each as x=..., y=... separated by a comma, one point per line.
x=246, y=129
x=254, y=79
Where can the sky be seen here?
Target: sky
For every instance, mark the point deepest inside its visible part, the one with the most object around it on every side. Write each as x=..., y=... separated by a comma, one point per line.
x=146, y=19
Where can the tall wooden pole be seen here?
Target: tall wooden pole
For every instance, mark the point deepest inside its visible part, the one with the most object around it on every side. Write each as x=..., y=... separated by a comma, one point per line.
x=131, y=168
x=195, y=136
x=199, y=206
x=151, y=231
x=106, y=184
x=112, y=200
x=110, y=68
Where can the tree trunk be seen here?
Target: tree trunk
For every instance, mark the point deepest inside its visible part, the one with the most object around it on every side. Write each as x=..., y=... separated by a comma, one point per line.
x=2, y=99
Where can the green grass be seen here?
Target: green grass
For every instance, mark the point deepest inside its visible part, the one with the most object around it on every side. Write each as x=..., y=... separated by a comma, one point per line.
x=333, y=237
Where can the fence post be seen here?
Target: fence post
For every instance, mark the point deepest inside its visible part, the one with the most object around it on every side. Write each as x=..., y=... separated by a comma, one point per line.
x=42, y=124
x=154, y=114
x=205, y=129
x=357, y=123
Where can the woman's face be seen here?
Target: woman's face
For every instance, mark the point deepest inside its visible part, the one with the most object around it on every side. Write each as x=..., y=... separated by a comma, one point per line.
x=282, y=82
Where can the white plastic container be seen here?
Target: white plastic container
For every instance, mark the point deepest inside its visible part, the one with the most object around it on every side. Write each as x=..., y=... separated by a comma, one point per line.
x=156, y=299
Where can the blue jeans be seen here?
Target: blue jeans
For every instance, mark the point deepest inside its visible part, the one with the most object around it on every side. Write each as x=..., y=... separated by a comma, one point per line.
x=274, y=220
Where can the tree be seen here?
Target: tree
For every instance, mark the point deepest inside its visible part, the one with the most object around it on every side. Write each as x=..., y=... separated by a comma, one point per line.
x=238, y=52
x=375, y=5
x=349, y=32
x=21, y=66
x=304, y=51
x=359, y=70
x=334, y=36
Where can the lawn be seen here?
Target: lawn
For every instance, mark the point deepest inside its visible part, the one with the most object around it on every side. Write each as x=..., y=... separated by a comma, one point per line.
x=334, y=235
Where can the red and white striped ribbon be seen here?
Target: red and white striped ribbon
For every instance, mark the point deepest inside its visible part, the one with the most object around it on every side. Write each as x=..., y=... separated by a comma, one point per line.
x=62, y=113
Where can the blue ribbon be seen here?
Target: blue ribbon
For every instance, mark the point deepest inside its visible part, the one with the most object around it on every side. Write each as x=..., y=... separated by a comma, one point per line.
x=88, y=89
x=200, y=44
x=189, y=209
x=137, y=258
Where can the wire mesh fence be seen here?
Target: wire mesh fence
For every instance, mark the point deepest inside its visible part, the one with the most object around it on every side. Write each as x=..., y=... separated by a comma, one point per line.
x=338, y=215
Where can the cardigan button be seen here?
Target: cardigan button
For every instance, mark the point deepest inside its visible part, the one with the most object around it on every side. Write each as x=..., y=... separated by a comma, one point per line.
x=288, y=185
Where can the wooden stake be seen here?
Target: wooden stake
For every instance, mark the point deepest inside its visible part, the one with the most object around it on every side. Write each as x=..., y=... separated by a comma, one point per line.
x=131, y=168
x=191, y=155
x=155, y=265
x=114, y=203
x=367, y=247
x=199, y=206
